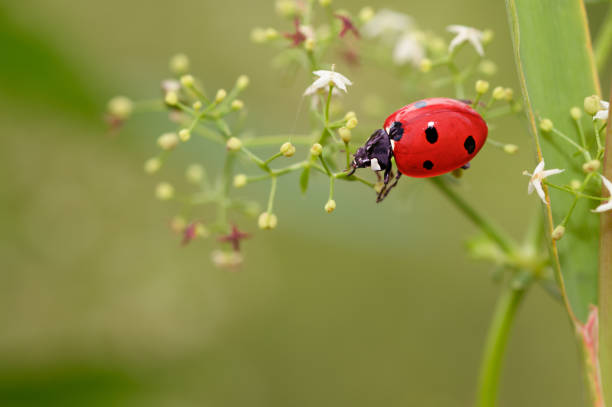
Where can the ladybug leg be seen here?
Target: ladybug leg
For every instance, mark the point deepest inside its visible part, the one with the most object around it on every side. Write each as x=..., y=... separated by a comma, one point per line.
x=385, y=191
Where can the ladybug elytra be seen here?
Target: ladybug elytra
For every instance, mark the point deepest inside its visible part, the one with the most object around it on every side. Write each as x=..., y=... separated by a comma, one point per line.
x=426, y=138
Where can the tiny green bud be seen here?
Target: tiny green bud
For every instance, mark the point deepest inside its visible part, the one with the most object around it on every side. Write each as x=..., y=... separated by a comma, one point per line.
x=481, y=86
x=352, y=123
x=350, y=115
x=194, y=173
x=164, y=191
x=425, y=65
x=240, y=180
x=345, y=134
x=499, y=93
x=197, y=105
x=558, y=232
x=330, y=206
x=242, y=82
x=487, y=67
x=325, y=3
x=201, y=231
x=316, y=149
x=591, y=104
x=171, y=98
x=187, y=81
x=576, y=113
x=366, y=14
x=309, y=44
x=220, y=96
x=258, y=35
x=509, y=94
x=152, y=165
x=546, y=125
x=487, y=36
x=233, y=144
x=575, y=184
x=591, y=166
x=237, y=104
x=120, y=107
x=184, y=135
x=510, y=148
x=271, y=34
x=179, y=64
x=167, y=141
x=287, y=149
x=286, y=8
x=267, y=221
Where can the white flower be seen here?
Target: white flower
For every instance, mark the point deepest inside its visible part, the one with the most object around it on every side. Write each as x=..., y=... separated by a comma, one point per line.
x=602, y=114
x=536, y=179
x=387, y=21
x=606, y=206
x=326, y=78
x=463, y=34
x=408, y=49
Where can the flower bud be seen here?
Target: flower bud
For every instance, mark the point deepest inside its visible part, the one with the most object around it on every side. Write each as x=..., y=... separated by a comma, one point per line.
x=350, y=115
x=164, y=191
x=240, y=180
x=487, y=36
x=330, y=206
x=499, y=93
x=509, y=94
x=184, y=135
x=591, y=166
x=201, y=230
x=309, y=44
x=366, y=14
x=187, y=81
x=220, y=96
x=558, y=232
x=197, y=105
x=316, y=149
x=167, y=141
x=152, y=165
x=351, y=123
x=233, y=144
x=267, y=221
x=481, y=86
x=258, y=35
x=510, y=148
x=194, y=173
x=591, y=104
x=120, y=107
x=242, y=82
x=287, y=149
x=179, y=64
x=576, y=113
x=575, y=184
x=425, y=65
x=171, y=98
x=487, y=67
x=345, y=134
x=271, y=34
x=237, y=104
x=325, y=3
x=546, y=125
x=286, y=8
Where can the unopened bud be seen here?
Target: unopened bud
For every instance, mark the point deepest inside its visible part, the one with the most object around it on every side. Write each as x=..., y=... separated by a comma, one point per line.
x=352, y=123
x=187, y=81
x=591, y=104
x=425, y=65
x=220, y=96
x=258, y=35
x=184, y=135
x=271, y=34
x=152, y=165
x=164, y=191
x=575, y=184
x=510, y=148
x=197, y=105
x=546, y=125
x=171, y=98
x=325, y=3
x=237, y=104
x=194, y=173
x=287, y=149
x=509, y=94
x=558, y=232
x=286, y=8
x=309, y=44
x=330, y=206
x=481, y=86
x=487, y=67
x=167, y=141
x=120, y=107
x=233, y=144
x=242, y=82
x=499, y=93
x=179, y=64
x=316, y=149
x=240, y=180
x=350, y=115
x=345, y=134
x=267, y=221
x=366, y=14
x=591, y=166
x=487, y=36
x=576, y=113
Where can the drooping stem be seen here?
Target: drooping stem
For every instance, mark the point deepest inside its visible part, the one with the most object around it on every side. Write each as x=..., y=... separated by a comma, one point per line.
x=497, y=339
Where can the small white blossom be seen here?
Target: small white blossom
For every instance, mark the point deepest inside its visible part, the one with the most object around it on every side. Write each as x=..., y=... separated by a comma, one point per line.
x=408, y=49
x=463, y=34
x=606, y=206
x=387, y=21
x=326, y=78
x=535, y=183
x=602, y=114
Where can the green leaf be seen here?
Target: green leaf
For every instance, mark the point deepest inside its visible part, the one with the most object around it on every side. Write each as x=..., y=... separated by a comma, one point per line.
x=304, y=177
x=556, y=70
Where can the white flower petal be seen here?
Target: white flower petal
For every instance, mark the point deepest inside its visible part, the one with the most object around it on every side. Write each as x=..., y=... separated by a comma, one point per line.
x=530, y=188
x=408, y=49
x=604, y=104
x=538, y=187
x=607, y=183
x=554, y=171
x=463, y=34
x=539, y=167
x=387, y=22
x=601, y=115
x=603, y=207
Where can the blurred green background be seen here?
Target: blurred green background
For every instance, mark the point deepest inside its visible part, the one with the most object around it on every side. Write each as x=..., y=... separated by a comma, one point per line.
x=99, y=305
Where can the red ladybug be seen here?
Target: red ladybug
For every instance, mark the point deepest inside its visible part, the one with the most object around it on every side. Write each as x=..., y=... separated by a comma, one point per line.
x=427, y=138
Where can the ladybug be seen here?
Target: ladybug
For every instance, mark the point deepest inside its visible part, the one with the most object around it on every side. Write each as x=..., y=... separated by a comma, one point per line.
x=426, y=138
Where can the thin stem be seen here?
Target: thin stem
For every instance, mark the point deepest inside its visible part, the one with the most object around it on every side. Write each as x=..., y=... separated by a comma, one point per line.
x=497, y=338
x=603, y=43
x=484, y=224
x=586, y=154
x=597, y=138
x=327, y=103
x=348, y=154
x=272, y=194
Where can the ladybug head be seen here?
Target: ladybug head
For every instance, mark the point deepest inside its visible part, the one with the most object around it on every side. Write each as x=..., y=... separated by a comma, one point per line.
x=375, y=153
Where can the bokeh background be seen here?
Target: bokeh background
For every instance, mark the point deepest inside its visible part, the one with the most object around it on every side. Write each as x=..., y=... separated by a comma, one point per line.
x=373, y=305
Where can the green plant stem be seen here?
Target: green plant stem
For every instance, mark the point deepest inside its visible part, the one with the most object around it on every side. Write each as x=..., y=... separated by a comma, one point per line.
x=484, y=224
x=497, y=338
x=603, y=43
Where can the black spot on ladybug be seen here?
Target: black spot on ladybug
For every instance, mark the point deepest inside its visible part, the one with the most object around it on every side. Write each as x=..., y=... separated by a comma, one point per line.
x=431, y=134
x=469, y=144
x=428, y=165
x=396, y=131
